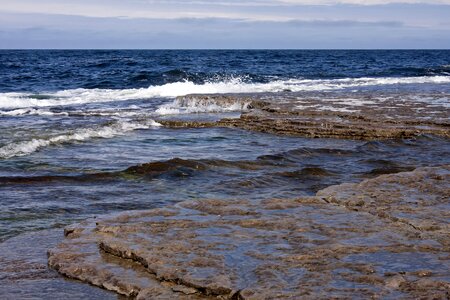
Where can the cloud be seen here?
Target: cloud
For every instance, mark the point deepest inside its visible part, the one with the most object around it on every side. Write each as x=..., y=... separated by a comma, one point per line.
x=60, y=31
x=222, y=24
x=363, y=2
x=344, y=23
x=172, y=9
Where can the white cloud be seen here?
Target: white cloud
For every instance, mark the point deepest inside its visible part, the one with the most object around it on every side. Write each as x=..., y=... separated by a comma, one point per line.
x=285, y=23
x=251, y=10
x=178, y=8
x=362, y=2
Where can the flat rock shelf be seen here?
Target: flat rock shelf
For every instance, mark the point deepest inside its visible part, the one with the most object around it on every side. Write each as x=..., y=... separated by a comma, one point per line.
x=386, y=237
x=365, y=118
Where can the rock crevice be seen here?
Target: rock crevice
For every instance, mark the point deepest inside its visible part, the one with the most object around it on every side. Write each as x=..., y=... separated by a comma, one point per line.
x=351, y=240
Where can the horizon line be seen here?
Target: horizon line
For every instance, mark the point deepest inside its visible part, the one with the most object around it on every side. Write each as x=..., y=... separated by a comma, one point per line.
x=220, y=49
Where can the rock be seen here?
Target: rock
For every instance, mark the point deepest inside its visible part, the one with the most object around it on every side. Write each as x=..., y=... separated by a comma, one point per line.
x=424, y=273
x=394, y=282
x=371, y=120
x=24, y=273
x=268, y=249
x=418, y=199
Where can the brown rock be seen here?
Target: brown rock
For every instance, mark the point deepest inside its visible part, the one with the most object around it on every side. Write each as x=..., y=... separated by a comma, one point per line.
x=270, y=249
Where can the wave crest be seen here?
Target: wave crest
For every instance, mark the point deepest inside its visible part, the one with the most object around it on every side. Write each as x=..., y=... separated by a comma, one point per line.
x=172, y=90
x=202, y=104
x=31, y=112
x=108, y=131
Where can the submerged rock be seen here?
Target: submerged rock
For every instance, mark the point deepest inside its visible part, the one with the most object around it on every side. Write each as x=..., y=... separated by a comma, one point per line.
x=24, y=273
x=419, y=199
x=316, y=247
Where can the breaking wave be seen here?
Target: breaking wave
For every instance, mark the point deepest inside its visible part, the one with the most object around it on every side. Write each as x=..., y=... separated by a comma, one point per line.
x=107, y=131
x=199, y=104
x=31, y=112
x=171, y=90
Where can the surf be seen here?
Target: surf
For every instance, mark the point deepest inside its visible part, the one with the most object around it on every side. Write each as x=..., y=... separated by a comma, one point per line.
x=15, y=100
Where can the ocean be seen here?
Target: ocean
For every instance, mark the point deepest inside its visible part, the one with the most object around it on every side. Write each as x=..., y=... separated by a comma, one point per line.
x=84, y=133
x=73, y=122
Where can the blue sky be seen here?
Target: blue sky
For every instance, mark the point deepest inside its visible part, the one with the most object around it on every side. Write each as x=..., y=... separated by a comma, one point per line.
x=156, y=24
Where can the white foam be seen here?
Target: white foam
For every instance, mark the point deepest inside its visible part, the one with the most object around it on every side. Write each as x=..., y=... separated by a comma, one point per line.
x=95, y=112
x=170, y=90
x=108, y=131
x=201, y=105
x=337, y=109
x=436, y=101
x=302, y=106
x=105, y=113
x=31, y=111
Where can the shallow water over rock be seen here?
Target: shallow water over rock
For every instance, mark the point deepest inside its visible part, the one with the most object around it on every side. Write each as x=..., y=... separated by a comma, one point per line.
x=310, y=247
x=84, y=134
x=24, y=273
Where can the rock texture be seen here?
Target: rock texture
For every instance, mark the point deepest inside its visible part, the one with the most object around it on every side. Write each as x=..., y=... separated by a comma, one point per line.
x=24, y=272
x=365, y=119
x=419, y=199
x=371, y=239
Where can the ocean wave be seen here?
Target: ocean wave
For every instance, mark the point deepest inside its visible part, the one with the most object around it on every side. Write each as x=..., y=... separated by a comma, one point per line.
x=107, y=131
x=31, y=111
x=201, y=104
x=116, y=113
x=172, y=90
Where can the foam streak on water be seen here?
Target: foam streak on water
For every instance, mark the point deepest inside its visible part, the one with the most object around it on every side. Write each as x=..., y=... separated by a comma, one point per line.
x=170, y=90
x=200, y=105
x=108, y=131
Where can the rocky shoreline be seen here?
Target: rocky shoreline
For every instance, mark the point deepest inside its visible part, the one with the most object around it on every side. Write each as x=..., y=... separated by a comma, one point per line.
x=384, y=237
x=309, y=118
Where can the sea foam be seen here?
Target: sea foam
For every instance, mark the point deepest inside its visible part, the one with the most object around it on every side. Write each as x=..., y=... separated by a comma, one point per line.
x=201, y=105
x=171, y=90
x=30, y=112
x=108, y=131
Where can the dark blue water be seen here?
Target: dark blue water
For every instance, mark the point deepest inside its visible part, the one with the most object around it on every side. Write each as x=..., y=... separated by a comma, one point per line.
x=44, y=70
x=79, y=135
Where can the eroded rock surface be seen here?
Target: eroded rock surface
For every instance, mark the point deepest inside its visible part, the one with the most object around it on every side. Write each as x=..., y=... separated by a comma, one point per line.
x=79, y=258
x=316, y=247
x=365, y=118
x=419, y=199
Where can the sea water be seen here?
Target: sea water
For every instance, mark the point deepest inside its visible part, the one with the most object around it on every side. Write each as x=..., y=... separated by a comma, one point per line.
x=74, y=124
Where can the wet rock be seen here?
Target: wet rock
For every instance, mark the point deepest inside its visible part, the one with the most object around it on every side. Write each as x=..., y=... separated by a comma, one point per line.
x=302, y=248
x=417, y=199
x=79, y=257
x=24, y=273
x=241, y=102
x=372, y=120
x=423, y=273
x=395, y=281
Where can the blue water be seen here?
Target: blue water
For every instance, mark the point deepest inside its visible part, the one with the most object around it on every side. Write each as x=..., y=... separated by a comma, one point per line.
x=45, y=70
x=79, y=135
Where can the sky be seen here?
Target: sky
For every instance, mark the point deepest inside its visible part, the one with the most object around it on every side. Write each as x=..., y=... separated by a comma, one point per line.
x=224, y=24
